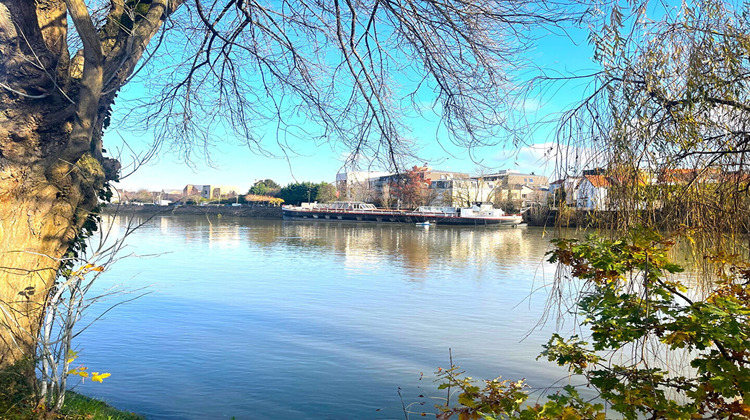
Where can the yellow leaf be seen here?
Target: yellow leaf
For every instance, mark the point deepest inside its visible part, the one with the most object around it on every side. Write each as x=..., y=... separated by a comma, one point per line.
x=96, y=377
x=81, y=371
x=72, y=355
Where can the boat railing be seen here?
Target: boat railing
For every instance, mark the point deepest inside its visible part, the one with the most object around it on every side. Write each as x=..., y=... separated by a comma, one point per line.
x=379, y=212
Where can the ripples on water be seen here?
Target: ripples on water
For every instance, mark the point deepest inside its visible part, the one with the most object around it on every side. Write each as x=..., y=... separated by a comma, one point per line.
x=268, y=319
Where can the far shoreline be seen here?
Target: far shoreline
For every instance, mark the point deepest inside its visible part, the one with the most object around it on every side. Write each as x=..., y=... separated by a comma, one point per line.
x=224, y=210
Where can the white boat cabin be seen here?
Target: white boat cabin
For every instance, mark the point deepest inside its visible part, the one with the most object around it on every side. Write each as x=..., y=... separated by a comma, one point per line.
x=346, y=205
x=482, y=210
x=449, y=211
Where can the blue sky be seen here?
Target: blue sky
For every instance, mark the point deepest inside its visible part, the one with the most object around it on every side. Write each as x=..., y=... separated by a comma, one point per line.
x=234, y=164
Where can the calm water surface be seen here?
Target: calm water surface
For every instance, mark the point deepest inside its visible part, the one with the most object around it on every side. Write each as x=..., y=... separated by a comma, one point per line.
x=264, y=319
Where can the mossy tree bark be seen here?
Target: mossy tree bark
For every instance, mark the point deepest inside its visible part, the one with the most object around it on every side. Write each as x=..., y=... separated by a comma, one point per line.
x=53, y=109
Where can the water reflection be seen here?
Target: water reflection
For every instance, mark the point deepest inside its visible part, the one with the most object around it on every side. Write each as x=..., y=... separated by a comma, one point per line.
x=414, y=248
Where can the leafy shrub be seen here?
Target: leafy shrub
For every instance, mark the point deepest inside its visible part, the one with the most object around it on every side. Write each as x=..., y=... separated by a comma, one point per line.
x=639, y=314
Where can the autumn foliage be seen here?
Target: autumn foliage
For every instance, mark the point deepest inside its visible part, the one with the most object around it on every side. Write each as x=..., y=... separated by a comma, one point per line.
x=412, y=187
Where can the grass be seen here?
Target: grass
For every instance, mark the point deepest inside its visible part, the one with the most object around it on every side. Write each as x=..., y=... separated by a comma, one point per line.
x=79, y=406
x=17, y=400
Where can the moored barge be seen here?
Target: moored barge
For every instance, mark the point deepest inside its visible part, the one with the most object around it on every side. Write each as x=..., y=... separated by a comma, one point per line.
x=353, y=211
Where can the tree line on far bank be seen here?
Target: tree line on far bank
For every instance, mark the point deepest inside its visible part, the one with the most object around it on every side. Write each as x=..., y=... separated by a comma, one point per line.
x=294, y=193
x=265, y=191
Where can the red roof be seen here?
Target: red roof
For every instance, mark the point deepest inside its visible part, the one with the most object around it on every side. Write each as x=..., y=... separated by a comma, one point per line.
x=598, y=181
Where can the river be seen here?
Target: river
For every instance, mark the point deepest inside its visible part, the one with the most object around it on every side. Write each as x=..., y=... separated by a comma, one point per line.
x=270, y=319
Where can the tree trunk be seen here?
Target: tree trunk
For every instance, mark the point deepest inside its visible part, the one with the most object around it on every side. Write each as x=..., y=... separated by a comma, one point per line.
x=41, y=212
x=47, y=181
x=52, y=113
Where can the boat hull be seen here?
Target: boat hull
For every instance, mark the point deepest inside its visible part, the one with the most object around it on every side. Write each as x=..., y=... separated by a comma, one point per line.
x=393, y=216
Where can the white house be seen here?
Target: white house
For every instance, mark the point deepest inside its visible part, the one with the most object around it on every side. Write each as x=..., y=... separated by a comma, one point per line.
x=461, y=191
x=592, y=192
